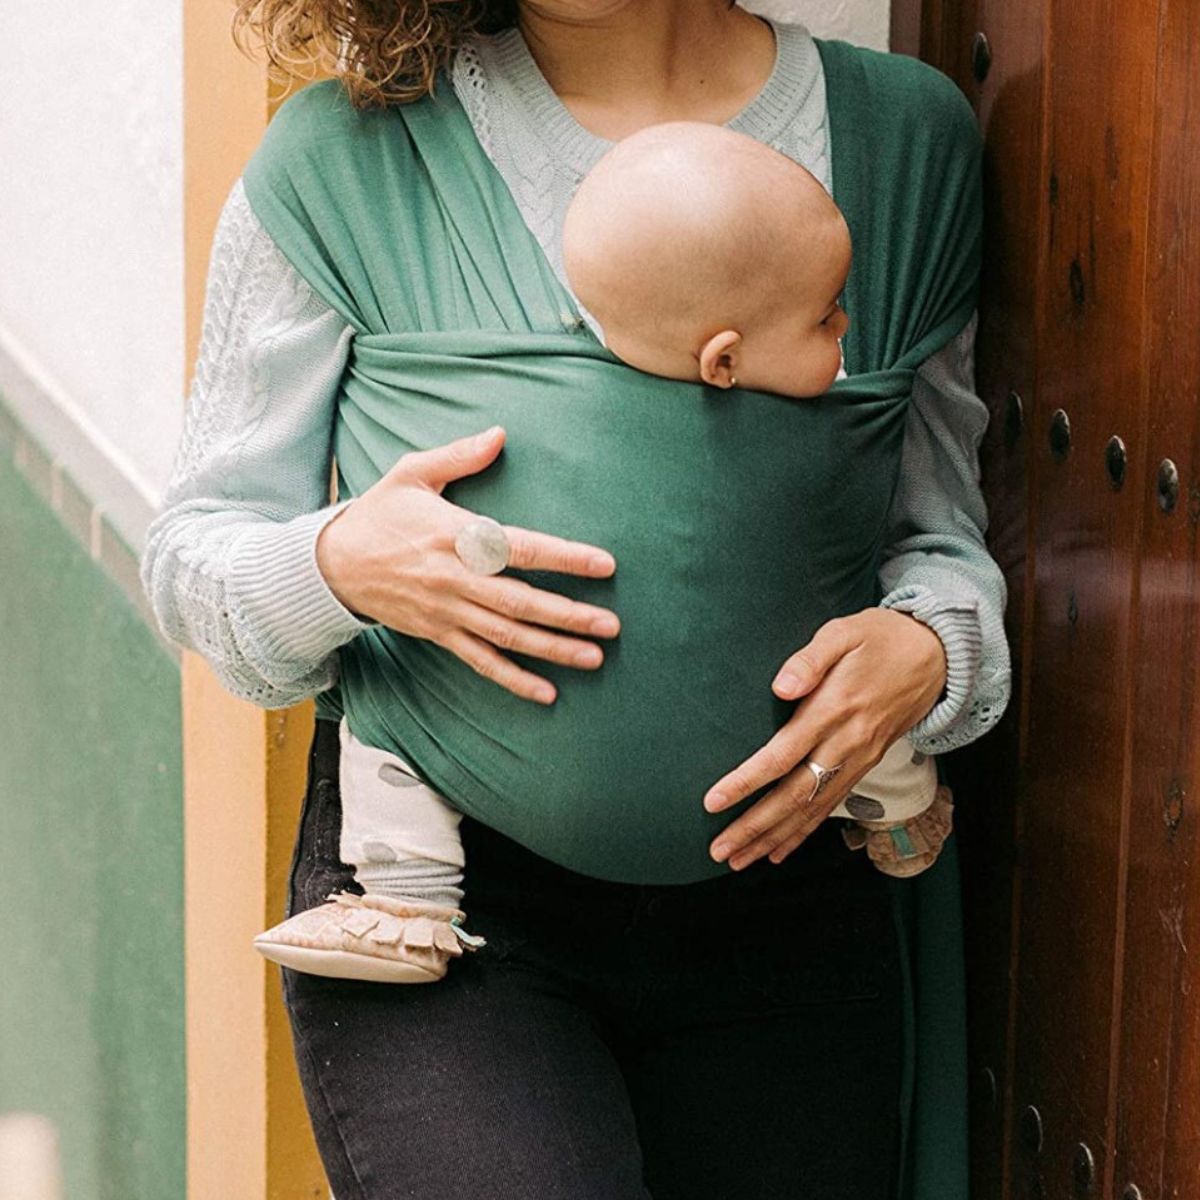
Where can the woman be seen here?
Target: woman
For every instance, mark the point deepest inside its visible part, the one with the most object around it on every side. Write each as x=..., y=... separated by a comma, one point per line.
x=741, y=1036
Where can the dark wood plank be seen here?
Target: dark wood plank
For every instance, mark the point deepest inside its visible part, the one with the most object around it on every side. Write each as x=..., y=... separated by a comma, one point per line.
x=1009, y=100
x=1158, y=1132
x=986, y=774
x=1101, y=68
x=904, y=27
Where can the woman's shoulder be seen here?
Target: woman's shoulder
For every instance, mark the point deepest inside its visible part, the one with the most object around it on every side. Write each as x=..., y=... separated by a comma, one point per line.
x=318, y=133
x=917, y=99
x=316, y=113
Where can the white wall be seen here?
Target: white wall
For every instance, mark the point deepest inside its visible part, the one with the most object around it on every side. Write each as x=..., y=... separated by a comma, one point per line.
x=91, y=228
x=861, y=21
x=91, y=218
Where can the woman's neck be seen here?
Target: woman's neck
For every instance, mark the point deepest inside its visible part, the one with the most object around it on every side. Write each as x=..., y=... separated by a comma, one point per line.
x=644, y=61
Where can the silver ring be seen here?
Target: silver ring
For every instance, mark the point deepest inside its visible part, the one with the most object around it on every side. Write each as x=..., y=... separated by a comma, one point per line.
x=823, y=776
x=482, y=546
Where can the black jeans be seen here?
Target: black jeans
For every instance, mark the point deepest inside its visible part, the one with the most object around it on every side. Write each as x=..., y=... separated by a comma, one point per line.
x=734, y=1039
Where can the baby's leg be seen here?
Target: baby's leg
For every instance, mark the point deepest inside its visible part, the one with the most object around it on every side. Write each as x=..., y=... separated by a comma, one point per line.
x=399, y=834
x=907, y=847
x=402, y=839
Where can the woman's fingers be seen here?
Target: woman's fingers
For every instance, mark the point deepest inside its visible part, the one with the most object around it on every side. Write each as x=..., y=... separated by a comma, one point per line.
x=801, y=818
x=787, y=813
x=865, y=678
x=536, y=551
x=812, y=662
x=790, y=744
x=487, y=661
x=520, y=638
x=786, y=748
x=790, y=803
x=438, y=466
x=522, y=601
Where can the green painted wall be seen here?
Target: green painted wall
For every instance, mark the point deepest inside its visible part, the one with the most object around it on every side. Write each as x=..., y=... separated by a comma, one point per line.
x=91, y=863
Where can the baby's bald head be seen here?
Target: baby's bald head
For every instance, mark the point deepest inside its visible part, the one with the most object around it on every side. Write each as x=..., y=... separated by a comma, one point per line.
x=685, y=228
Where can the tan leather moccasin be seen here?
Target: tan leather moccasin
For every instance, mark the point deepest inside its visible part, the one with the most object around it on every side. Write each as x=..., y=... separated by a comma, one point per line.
x=369, y=937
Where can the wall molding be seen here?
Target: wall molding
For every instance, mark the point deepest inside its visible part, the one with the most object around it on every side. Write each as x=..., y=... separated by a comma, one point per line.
x=68, y=437
x=57, y=452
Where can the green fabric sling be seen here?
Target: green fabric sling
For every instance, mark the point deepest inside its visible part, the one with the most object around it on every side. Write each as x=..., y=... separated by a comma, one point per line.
x=740, y=520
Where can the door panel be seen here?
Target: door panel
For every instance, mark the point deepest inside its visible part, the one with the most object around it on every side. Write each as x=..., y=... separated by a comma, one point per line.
x=1076, y=814
x=1158, y=1128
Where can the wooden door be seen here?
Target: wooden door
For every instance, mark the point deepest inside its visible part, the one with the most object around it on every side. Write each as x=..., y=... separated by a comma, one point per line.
x=1078, y=820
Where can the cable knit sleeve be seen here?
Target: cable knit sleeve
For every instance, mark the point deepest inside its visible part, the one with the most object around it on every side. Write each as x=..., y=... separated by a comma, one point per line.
x=936, y=564
x=230, y=565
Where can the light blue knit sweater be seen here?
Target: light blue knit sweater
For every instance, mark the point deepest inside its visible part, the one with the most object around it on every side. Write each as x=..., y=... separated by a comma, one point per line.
x=230, y=565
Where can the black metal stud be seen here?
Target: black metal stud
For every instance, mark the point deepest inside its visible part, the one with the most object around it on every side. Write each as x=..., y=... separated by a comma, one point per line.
x=1168, y=485
x=1060, y=434
x=981, y=57
x=1083, y=1169
x=1031, y=1129
x=989, y=1089
x=1115, y=460
x=1014, y=419
x=1132, y=1192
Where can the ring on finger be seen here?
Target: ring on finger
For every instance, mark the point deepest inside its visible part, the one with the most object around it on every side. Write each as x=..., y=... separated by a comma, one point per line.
x=824, y=776
x=482, y=546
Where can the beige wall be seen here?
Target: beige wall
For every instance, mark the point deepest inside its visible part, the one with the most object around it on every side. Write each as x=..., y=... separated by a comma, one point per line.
x=91, y=208
x=861, y=21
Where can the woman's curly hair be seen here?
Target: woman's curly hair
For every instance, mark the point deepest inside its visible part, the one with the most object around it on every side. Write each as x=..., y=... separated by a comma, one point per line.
x=383, y=51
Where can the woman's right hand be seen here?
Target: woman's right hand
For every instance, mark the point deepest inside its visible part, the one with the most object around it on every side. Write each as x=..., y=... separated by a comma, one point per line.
x=389, y=556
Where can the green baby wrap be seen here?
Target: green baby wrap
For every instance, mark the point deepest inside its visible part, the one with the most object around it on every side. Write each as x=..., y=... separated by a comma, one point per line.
x=740, y=520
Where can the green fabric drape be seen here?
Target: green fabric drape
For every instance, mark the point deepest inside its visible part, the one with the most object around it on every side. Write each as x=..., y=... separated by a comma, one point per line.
x=740, y=520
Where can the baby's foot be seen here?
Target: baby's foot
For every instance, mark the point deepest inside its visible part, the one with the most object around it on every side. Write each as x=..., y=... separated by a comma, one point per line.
x=370, y=937
x=910, y=847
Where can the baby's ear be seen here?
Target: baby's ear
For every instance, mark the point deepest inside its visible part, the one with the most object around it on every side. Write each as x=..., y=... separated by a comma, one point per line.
x=719, y=358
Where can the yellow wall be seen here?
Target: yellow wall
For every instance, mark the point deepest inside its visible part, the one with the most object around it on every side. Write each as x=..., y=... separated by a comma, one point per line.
x=244, y=768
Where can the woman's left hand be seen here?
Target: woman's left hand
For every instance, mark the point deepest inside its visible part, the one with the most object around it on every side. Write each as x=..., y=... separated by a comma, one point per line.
x=862, y=682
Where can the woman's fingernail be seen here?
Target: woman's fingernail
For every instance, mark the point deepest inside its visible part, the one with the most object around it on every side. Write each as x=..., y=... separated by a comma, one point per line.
x=545, y=694
x=714, y=801
x=601, y=562
x=606, y=626
x=786, y=682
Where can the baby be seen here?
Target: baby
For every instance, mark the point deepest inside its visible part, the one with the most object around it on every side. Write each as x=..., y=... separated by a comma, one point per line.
x=732, y=276
x=703, y=255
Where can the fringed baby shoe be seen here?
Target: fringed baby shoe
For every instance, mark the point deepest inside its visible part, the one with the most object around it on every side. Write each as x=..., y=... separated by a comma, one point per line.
x=370, y=937
x=911, y=846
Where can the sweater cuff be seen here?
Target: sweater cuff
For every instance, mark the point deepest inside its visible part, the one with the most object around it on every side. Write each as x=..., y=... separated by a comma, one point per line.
x=282, y=595
x=956, y=622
